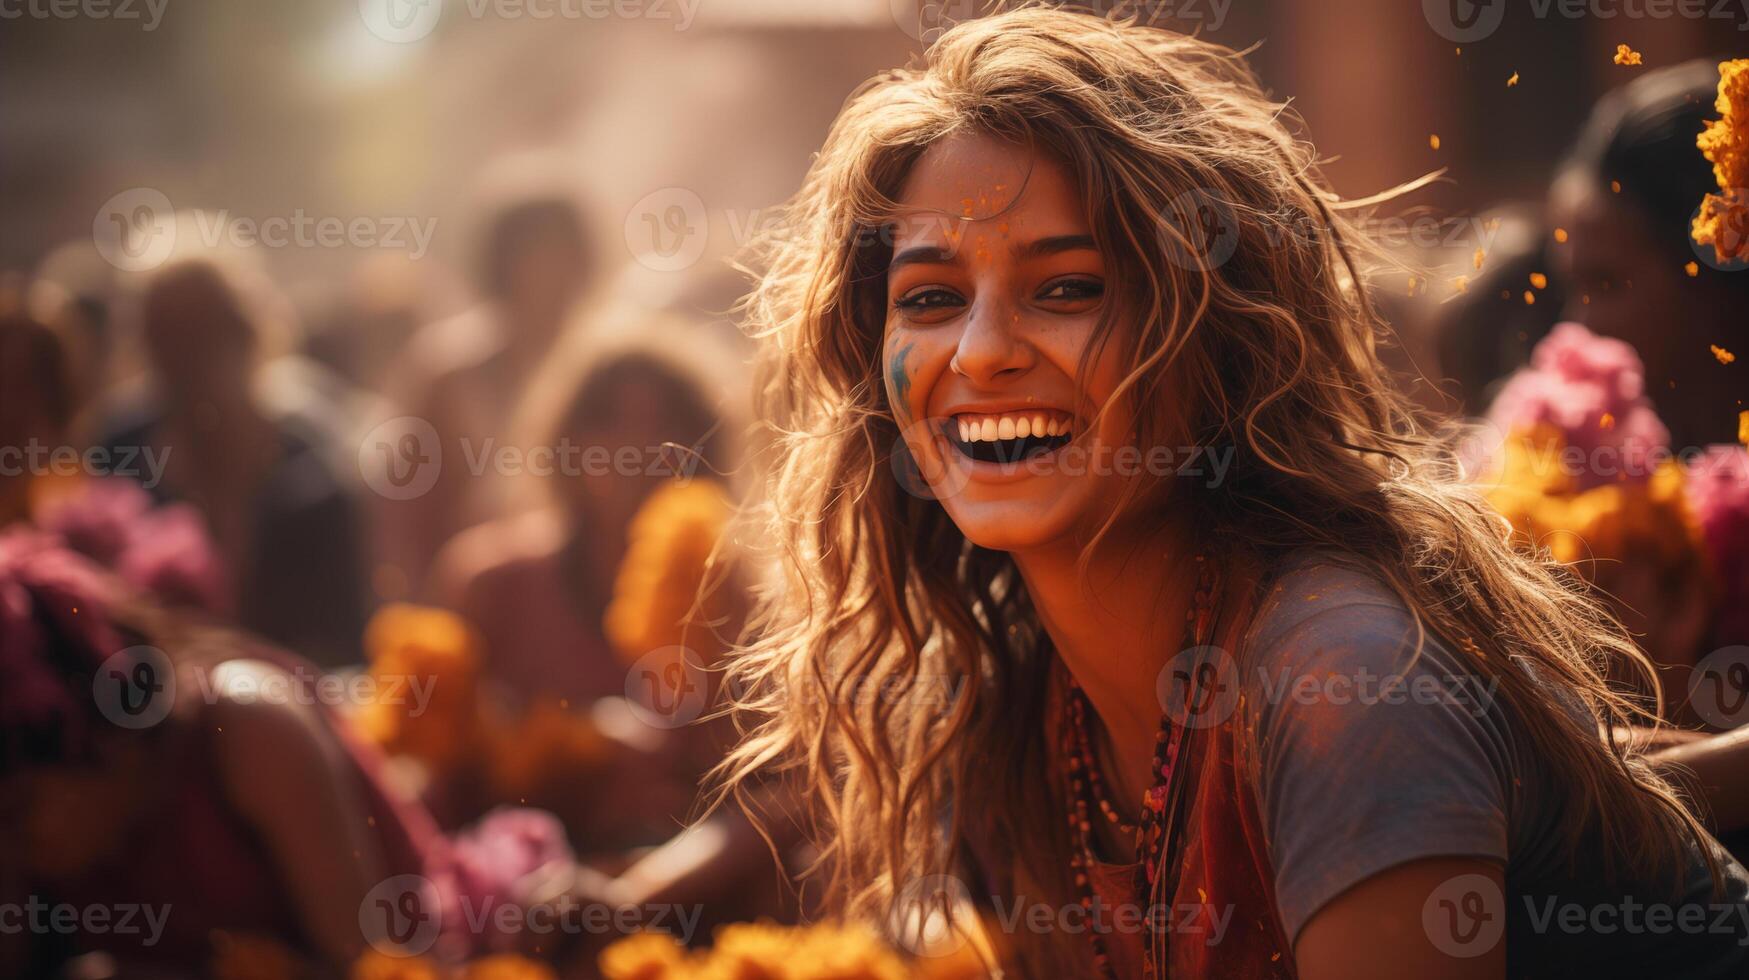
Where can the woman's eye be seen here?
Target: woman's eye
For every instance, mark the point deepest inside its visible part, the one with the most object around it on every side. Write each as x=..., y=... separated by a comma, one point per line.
x=929, y=300
x=1072, y=290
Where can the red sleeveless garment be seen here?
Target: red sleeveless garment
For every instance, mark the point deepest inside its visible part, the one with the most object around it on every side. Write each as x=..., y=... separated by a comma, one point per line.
x=1221, y=918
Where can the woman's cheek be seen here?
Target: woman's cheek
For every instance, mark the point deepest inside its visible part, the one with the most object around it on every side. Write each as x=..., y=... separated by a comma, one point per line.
x=907, y=367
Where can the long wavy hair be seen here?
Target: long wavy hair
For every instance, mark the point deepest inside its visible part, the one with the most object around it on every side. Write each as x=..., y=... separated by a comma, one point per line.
x=877, y=590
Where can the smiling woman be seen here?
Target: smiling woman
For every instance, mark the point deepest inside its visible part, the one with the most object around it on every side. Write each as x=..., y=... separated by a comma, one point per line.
x=1060, y=247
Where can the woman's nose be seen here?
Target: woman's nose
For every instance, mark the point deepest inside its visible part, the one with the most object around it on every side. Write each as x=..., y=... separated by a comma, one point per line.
x=993, y=345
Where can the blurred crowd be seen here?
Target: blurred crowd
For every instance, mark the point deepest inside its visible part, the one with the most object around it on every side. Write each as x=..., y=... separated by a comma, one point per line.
x=374, y=599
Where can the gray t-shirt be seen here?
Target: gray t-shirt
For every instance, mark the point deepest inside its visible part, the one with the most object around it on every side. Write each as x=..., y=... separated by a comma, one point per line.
x=1369, y=756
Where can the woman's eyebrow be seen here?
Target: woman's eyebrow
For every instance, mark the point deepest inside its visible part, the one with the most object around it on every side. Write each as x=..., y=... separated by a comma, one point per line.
x=943, y=255
x=1056, y=244
x=923, y=255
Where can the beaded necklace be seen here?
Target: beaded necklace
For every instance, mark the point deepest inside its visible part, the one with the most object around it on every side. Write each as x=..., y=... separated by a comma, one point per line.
x=1088, y=788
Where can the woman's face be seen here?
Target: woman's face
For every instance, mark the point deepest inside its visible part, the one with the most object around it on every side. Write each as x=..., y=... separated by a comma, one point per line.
x=994, y=291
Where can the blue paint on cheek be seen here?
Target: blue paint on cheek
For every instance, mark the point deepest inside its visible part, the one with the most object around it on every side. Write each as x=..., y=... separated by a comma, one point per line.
x=899, y=383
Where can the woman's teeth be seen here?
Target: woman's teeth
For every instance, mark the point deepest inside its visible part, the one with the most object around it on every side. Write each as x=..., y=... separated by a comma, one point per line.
x=1012, y=425
x=1012, y=436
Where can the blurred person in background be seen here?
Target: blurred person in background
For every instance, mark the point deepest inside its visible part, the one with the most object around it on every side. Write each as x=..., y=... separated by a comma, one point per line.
x=141, y=765
x=576, y=601
x=1624, y=198
x=464, y=376
x=37, y=410
x=1485, y=332
x=257, y=460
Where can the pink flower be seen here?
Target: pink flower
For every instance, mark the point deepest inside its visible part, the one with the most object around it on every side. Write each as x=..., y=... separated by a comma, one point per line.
x=1591, y=390
x=163, y=551
x=490, y=857
x=1718, y=493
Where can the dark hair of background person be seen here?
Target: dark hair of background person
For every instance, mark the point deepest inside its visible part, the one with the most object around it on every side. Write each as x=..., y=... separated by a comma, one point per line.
x=1642, y=137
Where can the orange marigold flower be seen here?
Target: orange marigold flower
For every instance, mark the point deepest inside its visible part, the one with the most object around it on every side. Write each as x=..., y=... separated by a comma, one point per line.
x=1561, y=235
x=1723, y=220
x=1722, y=355
x=1433, y=141
x=667, y=560
x=1743, y=428
x=645, y=956
x=408, y=643
x=374, y=965
x=508, y=966
x=1539, y=280
x=1512, y=81
x=1692, y=268
x=1725, y=140
x=1606, y=421
x=1625, y=55
x=1529, y=298
x=245, y=956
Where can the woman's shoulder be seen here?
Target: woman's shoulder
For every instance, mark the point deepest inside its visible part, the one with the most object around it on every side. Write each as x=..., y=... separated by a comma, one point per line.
x=1324, y=602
